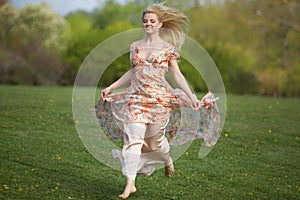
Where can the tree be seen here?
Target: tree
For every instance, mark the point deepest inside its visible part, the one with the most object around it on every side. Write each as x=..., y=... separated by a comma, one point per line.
x=2, y=2
x=33, y=34
x=263, y=36
x=276, y=22
x=8, y=20
x=129, y=13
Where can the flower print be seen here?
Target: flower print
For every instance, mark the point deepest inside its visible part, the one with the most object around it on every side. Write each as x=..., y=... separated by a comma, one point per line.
x=150, y=99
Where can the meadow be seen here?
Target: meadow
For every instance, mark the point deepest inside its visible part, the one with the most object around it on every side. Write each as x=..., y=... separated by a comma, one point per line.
x=42, y=156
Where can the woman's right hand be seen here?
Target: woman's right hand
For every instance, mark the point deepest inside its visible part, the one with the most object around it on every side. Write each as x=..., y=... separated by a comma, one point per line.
x=105, y=92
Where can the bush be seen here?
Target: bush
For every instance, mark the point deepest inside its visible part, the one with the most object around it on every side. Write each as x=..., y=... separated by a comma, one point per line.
x=233, y=69
x=15, y=70
x=291, y=86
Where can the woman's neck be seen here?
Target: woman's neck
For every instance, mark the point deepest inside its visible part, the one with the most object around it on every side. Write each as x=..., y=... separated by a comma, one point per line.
x=152, y=39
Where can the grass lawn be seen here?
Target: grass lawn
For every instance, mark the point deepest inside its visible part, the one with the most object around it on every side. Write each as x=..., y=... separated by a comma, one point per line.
x=42, y=156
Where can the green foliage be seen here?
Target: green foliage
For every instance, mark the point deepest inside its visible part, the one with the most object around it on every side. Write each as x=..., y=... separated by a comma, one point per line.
x=192, y=76
x=17, y=71
x=292, y=83
x=8, y=19
x=212, y=27
x=113, y=12
x=231, y=66
x=34, y=36
x=261, y=36
x=83, y=37
x=256, y=157
x=96, y=27
x=115, y=70
x=39, y=24
x=254, y=43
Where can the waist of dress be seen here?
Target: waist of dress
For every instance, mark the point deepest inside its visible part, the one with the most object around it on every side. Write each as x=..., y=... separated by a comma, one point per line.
x=144, y=98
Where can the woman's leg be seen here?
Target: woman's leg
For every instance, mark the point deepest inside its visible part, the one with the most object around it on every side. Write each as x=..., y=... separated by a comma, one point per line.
x=156, y=147
x=133, y=142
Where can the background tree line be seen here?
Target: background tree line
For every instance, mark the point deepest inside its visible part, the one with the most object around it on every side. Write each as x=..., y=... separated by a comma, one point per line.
x=255, y=44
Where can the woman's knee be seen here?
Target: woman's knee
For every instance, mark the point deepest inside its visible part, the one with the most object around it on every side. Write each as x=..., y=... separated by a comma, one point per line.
x=153, y=143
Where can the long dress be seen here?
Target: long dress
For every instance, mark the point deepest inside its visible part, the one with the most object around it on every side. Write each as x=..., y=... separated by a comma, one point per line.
x=151, y=99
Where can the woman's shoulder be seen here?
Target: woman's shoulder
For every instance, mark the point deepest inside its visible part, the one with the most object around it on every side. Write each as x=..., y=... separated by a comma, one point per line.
x=172, y=51
x=136, y=43
x=170, y=46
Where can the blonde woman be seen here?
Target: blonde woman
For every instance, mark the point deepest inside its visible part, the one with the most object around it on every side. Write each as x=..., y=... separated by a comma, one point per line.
x=141, y=113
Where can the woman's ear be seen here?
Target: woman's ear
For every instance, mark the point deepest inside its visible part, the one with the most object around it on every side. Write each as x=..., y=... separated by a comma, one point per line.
x=160, y=25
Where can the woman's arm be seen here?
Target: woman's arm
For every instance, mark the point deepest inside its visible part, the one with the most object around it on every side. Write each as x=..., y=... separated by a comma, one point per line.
x=180, y=80
x=121, y=81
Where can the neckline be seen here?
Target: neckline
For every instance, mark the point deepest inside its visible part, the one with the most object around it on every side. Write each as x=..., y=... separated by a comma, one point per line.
x=141, y=56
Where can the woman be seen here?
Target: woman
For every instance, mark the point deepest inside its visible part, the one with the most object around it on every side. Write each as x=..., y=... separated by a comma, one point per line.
x=143, y=110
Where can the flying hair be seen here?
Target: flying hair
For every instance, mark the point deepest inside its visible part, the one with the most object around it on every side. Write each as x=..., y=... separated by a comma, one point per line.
x=174, y=23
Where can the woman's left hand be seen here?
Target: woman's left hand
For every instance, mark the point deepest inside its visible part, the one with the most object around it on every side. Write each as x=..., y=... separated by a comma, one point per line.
x=195, y=103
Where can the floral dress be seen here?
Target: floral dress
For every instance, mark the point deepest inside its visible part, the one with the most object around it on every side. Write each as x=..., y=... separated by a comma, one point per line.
x=151, y=99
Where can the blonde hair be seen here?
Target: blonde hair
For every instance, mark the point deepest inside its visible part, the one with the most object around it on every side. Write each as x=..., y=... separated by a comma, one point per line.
x=174, y=23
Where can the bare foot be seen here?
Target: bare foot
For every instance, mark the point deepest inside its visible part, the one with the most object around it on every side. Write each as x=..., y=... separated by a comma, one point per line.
x=210, y=144
x=129, y=188
x=169, y=169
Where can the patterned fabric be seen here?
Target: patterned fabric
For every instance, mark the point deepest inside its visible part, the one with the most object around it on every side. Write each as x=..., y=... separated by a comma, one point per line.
x=151, y=99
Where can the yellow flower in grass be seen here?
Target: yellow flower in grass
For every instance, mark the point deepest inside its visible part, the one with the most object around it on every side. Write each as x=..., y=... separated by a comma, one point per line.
x=5, y=186
x=58, y=157
x=269, y=131
x=226, y=135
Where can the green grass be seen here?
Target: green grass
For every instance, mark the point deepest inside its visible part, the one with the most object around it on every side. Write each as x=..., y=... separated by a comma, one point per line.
x=42, y=156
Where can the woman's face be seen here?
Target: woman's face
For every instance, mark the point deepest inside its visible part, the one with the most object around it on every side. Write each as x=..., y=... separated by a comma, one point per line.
x=151, y=23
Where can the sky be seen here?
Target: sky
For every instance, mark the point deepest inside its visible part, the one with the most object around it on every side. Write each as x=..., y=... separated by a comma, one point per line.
x=64, y=7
